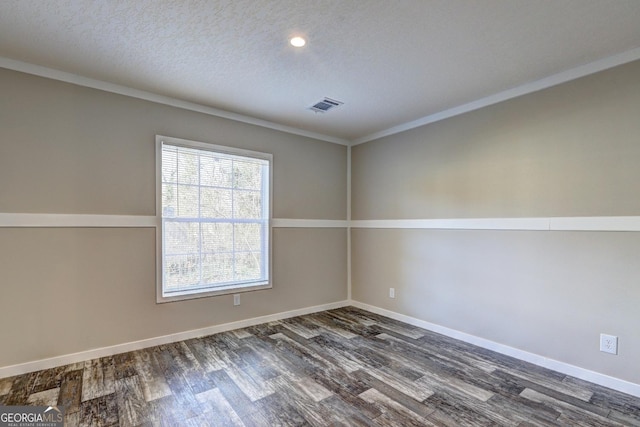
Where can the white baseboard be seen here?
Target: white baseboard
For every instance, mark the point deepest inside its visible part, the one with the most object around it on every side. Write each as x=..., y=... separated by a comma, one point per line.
x=36, y=365
x=565, y=368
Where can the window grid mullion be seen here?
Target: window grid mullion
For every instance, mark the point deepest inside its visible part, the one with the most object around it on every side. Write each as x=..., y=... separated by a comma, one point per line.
x=200, y=236
x=233, y=216
x=177, y=183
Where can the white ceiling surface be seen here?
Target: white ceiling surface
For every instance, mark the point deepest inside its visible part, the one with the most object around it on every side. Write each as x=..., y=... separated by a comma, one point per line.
x=390, y=62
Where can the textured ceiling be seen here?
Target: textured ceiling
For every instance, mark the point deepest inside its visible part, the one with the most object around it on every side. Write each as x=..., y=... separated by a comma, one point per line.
x=390, y=62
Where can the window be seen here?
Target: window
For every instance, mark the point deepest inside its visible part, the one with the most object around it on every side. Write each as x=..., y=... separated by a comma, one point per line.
x=214, y=227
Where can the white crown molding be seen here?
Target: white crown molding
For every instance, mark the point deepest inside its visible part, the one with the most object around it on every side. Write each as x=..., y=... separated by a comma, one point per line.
x=597, y=223
x=36, y=365
x=553, y=80
x=37, y=70
x=558, y=366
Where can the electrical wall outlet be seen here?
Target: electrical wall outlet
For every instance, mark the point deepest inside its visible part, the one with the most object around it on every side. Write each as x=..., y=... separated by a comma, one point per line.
x=392, y=292
x=236, y=299
x=609, y=343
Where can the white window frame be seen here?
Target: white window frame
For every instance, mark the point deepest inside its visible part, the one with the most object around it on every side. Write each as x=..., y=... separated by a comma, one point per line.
x=161, y=295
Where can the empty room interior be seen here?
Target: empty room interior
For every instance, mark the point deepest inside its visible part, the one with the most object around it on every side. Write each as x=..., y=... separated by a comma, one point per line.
x=320, y=213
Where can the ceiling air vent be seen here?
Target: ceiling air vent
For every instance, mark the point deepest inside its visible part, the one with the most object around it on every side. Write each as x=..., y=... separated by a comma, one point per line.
x=325, y=105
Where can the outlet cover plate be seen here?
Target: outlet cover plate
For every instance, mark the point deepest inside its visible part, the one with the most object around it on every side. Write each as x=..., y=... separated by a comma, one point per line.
x=609, y=343
x=236, y=299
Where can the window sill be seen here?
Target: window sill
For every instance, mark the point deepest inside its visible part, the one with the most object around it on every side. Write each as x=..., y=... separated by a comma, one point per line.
x=199, y=293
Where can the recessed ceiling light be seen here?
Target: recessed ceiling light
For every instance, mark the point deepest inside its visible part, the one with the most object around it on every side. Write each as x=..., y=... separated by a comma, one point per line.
x=297, y=41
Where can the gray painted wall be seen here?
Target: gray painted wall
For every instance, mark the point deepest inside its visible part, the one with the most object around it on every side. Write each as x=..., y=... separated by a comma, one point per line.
x=74, y=150
x=570, y=150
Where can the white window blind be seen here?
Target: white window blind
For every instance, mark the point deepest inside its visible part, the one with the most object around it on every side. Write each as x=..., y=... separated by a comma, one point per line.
x=215, y=219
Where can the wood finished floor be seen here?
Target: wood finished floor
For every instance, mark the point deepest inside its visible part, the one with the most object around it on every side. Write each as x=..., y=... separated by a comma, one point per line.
x=339, y=367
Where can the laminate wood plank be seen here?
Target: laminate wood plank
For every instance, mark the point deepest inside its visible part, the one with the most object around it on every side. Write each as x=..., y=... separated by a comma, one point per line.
x=327, y=326
x=556, y=395
x=355, y=316
x=204, y=352
x=397, y=362
x=279, y=412
x=259, y=373
x=306, y=358
x=577, y=420
x=180, y=388
x=99, y=412
x=307, y=407
x=331, y=353
x=272, y=360
x=253, y=387
x=262, y=362
x=47, y=397
x=239, y=371
x=48, y=379
x=351, y=409
x=176, y=359
x=379, y=371
x=154, y=384
x=184, y=398
x=624, y=419
x=124, y=365
x=241, y=404
x=395, y=395
x=431, y=358
x=98, y=378
x=72, y=419
x=241, y=333
x=200, y=420
x=453, y=384
x=265, y=329
x=311, y=388
x=393, y=413
x=302, y=327
x=450, y=411
x=617, y=402
x=525, y=411
x=70, y=395
x=218, y=409
x=363, y=318
x=356, y=420
x=164, y=412
x=75, y=366
x=354, y=328
x=21, y=389
x=402, y=330
x=457, y=369
x=183, y=359
x=5, y=385
x=490, y=409
x=132, y=407
x=563, y=387
x=569, y=411
x=223, y=350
